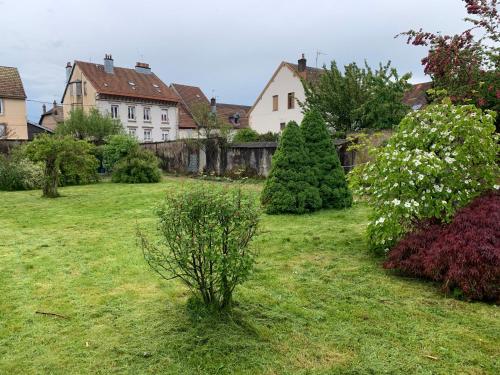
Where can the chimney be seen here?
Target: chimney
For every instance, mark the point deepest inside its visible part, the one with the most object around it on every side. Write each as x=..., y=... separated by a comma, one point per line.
x=213, y=105
x=143, y=68
x=68, y=71
x=108, y=64
x=302, y=64
x=44, y=108
x=54, y=108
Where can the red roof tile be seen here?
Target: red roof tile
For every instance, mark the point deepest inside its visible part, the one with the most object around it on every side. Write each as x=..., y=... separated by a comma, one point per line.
x=127, y=83
x=11, y=85
x=416, y=95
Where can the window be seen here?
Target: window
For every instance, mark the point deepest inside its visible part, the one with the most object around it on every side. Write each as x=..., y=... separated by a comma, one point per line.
x=131, y=113
x=164, y=134
x=147, y=114
x=291, y=100
x=132, y=132
x=282, y=125
x=164, y=116
x=1, y=107
x=275, y=102
x=147, y=134
x=114, y=111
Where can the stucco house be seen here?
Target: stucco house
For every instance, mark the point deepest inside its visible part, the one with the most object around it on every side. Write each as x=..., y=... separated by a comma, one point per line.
x=278, y=103
x=145, y=105
x=235, y=115
x=52, y=117
x=13, y=119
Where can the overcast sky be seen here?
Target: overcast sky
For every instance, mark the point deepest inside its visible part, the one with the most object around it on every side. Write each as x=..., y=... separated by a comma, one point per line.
x=229, y=48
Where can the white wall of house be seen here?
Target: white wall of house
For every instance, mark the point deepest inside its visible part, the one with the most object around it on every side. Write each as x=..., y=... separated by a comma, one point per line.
x=263, y=118
x=155, y=128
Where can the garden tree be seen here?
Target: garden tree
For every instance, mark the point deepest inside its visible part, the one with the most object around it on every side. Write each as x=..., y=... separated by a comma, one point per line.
x=437, y=161
x=358, y=98
x=205, y=232
x=57, y=152
x=246, y=135
x=91, y=126
x=325, y=162
x=137, y=166
x=292, y=185
x=117, y=147
x=466, y=65
x=209, y=124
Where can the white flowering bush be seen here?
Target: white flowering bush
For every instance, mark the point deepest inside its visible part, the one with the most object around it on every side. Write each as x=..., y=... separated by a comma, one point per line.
x=437, y=161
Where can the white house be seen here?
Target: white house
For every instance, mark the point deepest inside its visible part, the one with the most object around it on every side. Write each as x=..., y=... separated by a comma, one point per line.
x=278, y=102
x=146, y=107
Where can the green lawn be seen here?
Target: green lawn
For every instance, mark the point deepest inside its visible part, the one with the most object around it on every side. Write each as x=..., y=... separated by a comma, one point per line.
x=317, y=303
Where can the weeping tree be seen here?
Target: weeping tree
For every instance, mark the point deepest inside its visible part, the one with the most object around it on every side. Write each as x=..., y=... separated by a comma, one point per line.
x=292, y=185
x=57, y=153
x=331, y=179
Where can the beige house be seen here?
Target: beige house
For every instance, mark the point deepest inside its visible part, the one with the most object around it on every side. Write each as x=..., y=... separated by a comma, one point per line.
x=146, y=107
x=52, y=117
x=13, y=120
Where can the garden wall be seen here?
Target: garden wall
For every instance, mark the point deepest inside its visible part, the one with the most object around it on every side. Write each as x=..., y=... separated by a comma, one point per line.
x=215, y=157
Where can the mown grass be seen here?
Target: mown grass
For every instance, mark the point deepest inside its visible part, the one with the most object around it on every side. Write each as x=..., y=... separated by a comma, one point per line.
x=318, y=302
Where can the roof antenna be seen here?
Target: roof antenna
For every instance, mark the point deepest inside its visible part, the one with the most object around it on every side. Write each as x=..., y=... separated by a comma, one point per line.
x=318, y=53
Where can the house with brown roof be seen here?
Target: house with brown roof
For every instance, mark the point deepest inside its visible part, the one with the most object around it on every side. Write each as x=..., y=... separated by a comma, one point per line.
x=190, y=97
x=52, y=117
x=13, y=120
x=146, y=107
x=278, y=103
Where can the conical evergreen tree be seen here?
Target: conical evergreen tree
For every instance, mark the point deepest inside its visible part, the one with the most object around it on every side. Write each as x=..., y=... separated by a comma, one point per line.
x=291, y=185
x=325, y=162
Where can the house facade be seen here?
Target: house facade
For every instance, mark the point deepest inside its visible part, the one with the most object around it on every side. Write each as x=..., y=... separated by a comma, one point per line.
x=52, y=117
x=146, y=107
x=278, y=103
x=13, y=119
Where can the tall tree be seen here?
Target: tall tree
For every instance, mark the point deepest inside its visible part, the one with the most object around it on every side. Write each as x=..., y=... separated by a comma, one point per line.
x=359, y=97
x=292, y=185
x=91, y=126
x=57, y=152
x=331, y=179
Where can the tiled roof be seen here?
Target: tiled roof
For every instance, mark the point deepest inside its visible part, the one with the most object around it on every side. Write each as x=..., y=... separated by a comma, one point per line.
x=226, y=111
x=416, y=96
x=309, y=74
x=11, y=85
x=127, y=83
x=189, y=97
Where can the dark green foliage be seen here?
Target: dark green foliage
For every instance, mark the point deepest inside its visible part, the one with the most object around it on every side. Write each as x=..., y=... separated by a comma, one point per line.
x=331, y=179
x=205, y=234
x=61, y=155
x=140, y=166
x=92, y=126
x=249, y=135
x=246, y=135
x=291, y=185
x=117, y=147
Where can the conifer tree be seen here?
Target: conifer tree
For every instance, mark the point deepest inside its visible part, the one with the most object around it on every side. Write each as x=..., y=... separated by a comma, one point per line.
x=291, y=185
x=325, y=162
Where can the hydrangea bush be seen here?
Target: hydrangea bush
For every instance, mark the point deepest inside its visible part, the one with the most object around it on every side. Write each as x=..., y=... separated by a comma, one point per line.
x=437, y=161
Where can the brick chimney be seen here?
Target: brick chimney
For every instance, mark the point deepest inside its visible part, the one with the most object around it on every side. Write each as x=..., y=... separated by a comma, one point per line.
x=141, y=67
x=44, y=108
x=108, y=64
x=213, y=105
x=68, y=71
x=54, y=107
x=302, y=64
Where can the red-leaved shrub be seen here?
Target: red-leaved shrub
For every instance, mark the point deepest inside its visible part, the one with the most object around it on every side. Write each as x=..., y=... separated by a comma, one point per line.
x=464, y=254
